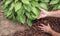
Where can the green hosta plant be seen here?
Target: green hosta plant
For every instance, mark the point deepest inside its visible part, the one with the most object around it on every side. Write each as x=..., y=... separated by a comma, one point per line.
x=24, y=11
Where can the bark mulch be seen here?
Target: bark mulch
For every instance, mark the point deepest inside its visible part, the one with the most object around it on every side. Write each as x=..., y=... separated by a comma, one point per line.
x=36, y=31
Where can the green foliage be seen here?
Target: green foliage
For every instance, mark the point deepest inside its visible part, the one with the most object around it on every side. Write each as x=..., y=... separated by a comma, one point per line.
x=24, y=11
x=44, y=6
x=44, y=1
x=54, y=1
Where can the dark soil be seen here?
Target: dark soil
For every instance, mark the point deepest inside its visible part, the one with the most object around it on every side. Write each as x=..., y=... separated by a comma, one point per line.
x=36, y=31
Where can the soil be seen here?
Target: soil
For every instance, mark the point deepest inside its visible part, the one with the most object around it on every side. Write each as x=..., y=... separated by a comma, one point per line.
x=36, y=31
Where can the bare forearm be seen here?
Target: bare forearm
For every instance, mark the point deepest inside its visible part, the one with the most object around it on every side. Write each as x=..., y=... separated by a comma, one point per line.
x=54, y=13
x=55, y=33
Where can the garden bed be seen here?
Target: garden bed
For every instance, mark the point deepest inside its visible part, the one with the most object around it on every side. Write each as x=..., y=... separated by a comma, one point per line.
x=36, y=31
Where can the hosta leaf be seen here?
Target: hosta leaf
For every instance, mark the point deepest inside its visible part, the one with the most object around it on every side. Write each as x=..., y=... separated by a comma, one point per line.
x=28, y=7
x=10, y=16
x=14, y=18
x=44, y=6
x=55, y=7
x=58, y=6
x=44, y=0
x=36, y=0
x=28, y=15
x=26, y=1
x=3, y=1
x=30, y=0
x=21, y=11
x=8, y=2
x=29, y=22
x=22, y=19
x=35, y=11
x=17, y=6
x=5, y=10
x=16, y=1
x=8, y=13
x=54, y=1
x=4, y=6
x=33, y=16
x=12, y=6
x=20, y=15
x=35, y=4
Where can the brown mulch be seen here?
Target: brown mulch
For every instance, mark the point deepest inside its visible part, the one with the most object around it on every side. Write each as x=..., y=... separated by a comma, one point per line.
x=36, y=31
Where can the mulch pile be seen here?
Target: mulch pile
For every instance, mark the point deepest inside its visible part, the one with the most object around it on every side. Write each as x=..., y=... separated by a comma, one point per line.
x=36, y=31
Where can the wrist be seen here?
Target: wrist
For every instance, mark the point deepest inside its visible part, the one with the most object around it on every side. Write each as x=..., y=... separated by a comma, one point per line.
x=49, y=14
x=51, y=31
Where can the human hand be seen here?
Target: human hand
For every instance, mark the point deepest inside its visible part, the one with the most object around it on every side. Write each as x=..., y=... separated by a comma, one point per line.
x=43, y=13
x=46, y=28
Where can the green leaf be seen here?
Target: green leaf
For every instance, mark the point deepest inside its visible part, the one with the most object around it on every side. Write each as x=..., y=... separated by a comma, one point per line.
x=29, y=22
x=35, y=11
x=44, y=6
x=44, y=0
x=20, y=15
x=17, y=6
x=8, y=13
x=55, y=7
x=28, y=7
x=3, y=2
x=12, y=6
x=35, y=4
x=21, y=19
x=14, y=18
x=58, y=6
x=4, y=6
x=20, y=11
x=54, y=1
x=34, y=16
x=26, y=1
x=16, y=1
x=10, y=16
x=8, y=2
x=5, y=10
x=28, y=15
x=37, y=0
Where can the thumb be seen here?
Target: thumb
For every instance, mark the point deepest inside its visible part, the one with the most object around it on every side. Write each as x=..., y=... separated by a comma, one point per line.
x=42, y=10
x=48, y=25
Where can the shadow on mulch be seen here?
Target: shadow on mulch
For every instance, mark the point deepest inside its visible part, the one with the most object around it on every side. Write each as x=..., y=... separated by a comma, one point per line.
x=36, y=31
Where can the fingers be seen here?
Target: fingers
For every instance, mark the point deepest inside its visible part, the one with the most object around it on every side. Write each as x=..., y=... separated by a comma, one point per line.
x=41, y=16
x=48, y=25
x=43, y=25
x=45, y=28
x=40, y=26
